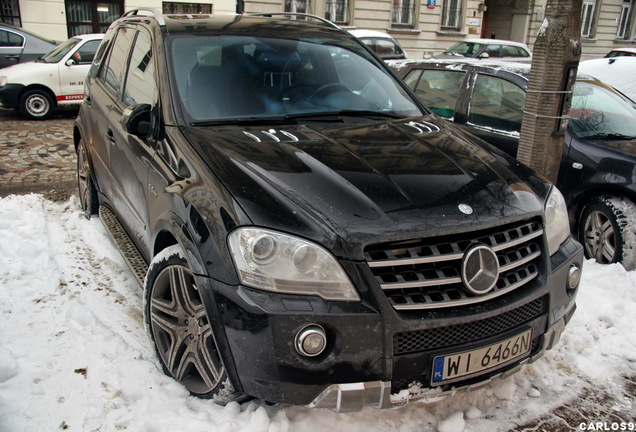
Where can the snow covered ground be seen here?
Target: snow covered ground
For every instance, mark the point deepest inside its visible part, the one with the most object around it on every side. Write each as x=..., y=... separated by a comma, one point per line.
x=74, y=353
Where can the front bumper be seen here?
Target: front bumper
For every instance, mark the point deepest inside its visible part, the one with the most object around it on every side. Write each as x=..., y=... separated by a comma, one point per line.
x=10, y=95
x=375, y=353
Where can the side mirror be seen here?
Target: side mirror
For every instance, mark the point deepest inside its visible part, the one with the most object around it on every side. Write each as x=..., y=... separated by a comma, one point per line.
x=70, y=62
x=484, y=56
x=137, y=119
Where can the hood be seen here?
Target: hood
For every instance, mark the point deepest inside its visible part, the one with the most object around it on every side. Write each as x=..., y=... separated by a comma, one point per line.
x=21, y=72
x=349, y=185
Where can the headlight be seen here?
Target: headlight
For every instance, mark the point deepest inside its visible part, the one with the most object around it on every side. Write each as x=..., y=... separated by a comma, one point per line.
x=557, y=224
x=281, y=263
x=3, y=81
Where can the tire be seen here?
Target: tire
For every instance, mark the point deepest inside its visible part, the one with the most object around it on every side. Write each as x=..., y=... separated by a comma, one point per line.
x=181, y=331
x=607, y=229
x=86, y=189
x=37, y=104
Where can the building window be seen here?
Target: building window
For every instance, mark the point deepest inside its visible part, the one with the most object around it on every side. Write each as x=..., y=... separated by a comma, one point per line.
x=297, y=6
x=186, y=8
x=624, y=20
x=337, y=11
x=84, y=17
x=10, y=12
x=588, y=18
x=451, y=14
x=403, y=12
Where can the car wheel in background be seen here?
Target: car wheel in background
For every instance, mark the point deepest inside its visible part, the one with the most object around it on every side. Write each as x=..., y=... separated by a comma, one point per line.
x=607, y=229
x=86, y=188
x=37, y=104
x=180, y=328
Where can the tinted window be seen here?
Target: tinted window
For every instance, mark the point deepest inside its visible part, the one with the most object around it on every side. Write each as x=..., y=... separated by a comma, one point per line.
x=113, y=73
x=140, y=82
x=513, y=51
x=437, y=89
x=232, y=76
x=496, y=103
x=9, y=39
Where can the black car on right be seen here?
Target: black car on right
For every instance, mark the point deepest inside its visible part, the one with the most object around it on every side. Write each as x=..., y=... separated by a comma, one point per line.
x=598, y=169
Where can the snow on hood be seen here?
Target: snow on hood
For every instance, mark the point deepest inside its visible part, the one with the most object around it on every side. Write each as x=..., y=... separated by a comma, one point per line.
x=619, y=72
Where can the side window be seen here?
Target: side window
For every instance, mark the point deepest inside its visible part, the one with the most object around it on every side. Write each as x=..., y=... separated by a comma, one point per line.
x=511, y=51
x=386, y=47
x=113, y=72
x=437, y=89
x=140, y=80
x=496, y=103
x=493, y=50
x=10, y=39
x=85, y=54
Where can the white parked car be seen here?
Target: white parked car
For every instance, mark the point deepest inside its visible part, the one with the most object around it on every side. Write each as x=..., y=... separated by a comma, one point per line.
x=383, y=44
x=494, y=49
x=37, y=88
x=615, y=71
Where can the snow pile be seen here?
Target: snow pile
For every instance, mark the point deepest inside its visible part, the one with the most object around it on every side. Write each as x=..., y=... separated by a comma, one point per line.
x=74, y=353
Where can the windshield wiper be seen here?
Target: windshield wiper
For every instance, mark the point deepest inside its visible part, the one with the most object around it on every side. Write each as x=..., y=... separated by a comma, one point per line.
x=343, y=113
x=255, y=121
x=610, y=136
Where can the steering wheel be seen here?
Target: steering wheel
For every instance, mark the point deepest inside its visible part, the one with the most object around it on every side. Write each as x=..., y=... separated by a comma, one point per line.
x=323, y=91
x=596, y=118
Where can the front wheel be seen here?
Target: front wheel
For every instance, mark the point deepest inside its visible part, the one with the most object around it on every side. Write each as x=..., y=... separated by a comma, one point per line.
x=181, y=330
x=607, y=230
x=37, y=104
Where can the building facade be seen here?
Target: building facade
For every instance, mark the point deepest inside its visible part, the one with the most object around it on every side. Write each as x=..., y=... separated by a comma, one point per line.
x=423, y=27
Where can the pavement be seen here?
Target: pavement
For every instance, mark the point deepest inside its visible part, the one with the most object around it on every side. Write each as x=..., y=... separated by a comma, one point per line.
x=37, y=156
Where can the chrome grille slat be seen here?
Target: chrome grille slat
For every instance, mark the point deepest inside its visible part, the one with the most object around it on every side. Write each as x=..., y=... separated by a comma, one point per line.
x=425, y=273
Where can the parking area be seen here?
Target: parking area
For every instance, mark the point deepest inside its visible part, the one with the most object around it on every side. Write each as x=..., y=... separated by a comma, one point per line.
x=37, y=156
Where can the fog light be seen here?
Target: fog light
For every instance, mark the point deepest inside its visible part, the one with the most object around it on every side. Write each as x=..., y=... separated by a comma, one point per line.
x=311, y=340
x=574, y=277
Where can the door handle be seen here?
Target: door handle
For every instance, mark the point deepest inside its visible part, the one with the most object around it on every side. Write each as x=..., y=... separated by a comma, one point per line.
x=110, y=135
x=12, y=57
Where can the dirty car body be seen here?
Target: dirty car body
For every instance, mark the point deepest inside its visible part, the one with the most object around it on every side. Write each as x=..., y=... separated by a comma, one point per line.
x=308, y=232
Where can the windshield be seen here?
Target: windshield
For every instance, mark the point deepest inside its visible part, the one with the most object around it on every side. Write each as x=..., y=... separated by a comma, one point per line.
x=60, y=51
x=241, y=77
x=599, y=112
x=464, y=49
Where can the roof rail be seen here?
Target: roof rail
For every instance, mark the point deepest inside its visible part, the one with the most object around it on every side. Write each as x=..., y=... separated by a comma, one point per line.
x=295, y=14
x=156, y=13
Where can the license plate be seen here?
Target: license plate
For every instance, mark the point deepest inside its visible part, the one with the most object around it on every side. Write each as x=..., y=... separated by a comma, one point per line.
x=447, y=368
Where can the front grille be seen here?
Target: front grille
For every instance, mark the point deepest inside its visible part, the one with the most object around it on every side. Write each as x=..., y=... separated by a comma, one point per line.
x=422, y=340
x=426, y=273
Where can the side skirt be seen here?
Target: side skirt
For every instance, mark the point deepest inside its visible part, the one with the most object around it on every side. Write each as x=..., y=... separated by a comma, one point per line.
x=129, y=251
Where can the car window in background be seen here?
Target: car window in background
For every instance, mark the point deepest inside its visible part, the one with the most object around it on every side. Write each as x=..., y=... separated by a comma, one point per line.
x=496, y=103
x=10, y=39
x=85, y=54
x=437, y=89
x=599, y=112
x=493, y=50
x=464, y=49
x=140, y=84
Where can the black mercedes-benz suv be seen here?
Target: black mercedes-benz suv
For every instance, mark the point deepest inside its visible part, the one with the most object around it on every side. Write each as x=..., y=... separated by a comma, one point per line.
x=305, y=230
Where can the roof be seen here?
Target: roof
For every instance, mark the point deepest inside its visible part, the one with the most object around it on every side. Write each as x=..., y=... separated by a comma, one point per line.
x=361, y=33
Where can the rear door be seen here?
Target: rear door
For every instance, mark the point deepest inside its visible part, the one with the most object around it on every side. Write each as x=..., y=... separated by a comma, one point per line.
x=11, y=46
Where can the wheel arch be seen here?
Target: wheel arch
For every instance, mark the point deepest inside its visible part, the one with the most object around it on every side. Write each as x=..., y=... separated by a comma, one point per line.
x=578, y=204
x=39, y=87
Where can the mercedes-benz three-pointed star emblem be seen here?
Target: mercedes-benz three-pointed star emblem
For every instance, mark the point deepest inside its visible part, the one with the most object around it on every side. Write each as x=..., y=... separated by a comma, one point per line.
x=480, y=269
